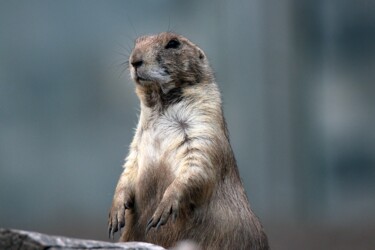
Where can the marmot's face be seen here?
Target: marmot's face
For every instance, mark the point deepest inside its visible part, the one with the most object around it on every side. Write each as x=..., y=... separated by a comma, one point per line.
x=168, y=60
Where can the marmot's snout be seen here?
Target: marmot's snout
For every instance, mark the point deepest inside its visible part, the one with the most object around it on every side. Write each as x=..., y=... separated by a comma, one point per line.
x=145, y=68
x=136, y=63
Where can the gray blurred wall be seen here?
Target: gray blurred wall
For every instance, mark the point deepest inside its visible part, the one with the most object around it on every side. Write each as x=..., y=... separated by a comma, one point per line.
x=297, y=79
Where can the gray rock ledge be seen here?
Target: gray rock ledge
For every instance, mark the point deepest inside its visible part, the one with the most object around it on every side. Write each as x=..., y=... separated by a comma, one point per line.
x=24, y=240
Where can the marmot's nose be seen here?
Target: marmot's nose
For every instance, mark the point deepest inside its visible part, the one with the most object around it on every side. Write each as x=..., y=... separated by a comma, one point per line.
x=137, y=63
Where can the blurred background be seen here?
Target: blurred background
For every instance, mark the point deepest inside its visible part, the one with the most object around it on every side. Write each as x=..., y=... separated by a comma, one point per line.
x=298, y=83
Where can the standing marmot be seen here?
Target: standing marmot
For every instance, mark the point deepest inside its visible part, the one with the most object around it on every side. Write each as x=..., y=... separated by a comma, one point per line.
x=181, y=180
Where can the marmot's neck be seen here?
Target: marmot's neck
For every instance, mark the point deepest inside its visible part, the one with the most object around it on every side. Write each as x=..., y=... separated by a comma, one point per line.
x=199, y=102
x=152, y=96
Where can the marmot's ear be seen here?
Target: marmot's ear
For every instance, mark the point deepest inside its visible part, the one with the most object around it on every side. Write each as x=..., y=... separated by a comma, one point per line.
x=201, y=54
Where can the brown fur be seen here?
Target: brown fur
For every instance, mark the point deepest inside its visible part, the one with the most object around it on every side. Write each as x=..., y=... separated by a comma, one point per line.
x=181, y=180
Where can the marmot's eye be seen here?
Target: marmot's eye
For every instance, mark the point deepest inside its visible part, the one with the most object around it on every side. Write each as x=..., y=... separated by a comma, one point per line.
x=173, y=44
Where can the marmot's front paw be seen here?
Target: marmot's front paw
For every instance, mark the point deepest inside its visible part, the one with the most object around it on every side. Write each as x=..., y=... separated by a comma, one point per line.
x=116, y=220
x=168, y=206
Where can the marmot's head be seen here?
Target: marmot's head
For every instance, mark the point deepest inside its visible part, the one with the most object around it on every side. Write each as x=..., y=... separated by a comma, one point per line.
x=169, y=60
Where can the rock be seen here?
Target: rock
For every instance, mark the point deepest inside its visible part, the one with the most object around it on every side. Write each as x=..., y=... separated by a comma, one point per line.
x=17, y=239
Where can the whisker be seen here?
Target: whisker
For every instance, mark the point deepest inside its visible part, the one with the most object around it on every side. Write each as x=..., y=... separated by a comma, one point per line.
x=132, y=26
x=169, y=24
x=121, y=64
x=124, y=48
x=123, y=54
x=122, y=72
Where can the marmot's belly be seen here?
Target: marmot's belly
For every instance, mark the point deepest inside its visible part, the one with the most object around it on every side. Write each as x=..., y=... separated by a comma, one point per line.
x=199, y=226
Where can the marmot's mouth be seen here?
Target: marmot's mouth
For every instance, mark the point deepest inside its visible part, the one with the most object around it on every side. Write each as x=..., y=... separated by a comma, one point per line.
x=141, y=80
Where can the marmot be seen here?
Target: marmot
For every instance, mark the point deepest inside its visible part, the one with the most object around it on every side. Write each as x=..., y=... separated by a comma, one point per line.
x=181, y=181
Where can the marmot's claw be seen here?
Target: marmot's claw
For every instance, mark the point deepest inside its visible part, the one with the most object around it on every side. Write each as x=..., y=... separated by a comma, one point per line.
x=112, y=228
x=116, y=219
x=150, y=224
x=162, y=214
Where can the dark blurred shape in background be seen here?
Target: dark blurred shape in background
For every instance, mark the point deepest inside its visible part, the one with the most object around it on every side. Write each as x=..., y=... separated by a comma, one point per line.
x=298, y=83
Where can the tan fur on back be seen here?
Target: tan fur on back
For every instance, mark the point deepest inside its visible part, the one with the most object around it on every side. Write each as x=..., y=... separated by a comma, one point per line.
x=181, y=180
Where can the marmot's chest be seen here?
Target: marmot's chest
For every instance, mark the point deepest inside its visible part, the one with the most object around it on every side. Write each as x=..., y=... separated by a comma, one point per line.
x=159, y=145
